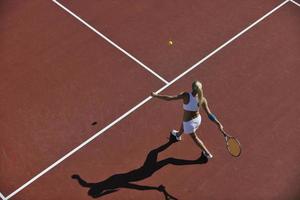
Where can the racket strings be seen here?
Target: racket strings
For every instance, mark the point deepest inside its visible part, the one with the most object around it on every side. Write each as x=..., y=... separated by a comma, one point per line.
x=233, y=147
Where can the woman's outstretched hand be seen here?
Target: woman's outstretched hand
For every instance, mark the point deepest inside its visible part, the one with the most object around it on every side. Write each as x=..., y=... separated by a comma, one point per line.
x=222, y=130
x=221, y=127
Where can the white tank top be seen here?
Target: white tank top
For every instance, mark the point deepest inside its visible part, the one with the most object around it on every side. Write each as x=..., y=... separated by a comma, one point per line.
x=192, y=105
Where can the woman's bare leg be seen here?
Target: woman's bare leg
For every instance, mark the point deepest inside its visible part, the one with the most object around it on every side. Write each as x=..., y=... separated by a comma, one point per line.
x=199, y=142
x=180, y=131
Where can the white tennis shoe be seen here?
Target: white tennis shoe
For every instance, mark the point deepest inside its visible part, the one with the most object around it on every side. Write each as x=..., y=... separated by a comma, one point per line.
x=174, y=133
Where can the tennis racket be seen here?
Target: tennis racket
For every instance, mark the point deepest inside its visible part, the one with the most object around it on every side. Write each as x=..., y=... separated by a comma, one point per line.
x=233, y=145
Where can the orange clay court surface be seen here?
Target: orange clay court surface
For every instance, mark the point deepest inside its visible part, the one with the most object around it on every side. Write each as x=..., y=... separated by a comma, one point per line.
x=66, y=64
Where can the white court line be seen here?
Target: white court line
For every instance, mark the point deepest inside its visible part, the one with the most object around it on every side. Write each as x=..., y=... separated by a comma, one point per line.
x=298, y=4
x=2, y=197
x=142, y=103
x=111, y=42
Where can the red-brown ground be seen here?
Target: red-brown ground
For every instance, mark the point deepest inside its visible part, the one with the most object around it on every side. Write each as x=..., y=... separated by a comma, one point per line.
x=58, y=77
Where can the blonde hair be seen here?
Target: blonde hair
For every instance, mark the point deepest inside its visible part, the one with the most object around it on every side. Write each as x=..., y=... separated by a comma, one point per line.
x=197, y=86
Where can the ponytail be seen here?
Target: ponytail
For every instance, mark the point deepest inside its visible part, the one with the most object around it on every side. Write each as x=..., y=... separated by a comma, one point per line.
x=200, y=95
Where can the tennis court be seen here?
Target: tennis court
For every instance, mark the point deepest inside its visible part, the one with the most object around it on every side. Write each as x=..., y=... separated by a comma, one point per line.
x=66, y=64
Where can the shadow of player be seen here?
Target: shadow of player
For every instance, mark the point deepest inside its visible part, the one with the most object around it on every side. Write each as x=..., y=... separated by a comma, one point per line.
x=150, y=166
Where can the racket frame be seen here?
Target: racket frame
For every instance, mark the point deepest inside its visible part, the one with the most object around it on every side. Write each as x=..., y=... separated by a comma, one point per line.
x=226, y=137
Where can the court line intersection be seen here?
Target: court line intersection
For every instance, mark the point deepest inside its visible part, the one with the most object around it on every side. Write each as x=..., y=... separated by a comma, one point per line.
x=110, y=41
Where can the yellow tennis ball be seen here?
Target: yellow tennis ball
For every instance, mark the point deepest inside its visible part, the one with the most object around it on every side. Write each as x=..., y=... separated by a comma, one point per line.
x=170, y=42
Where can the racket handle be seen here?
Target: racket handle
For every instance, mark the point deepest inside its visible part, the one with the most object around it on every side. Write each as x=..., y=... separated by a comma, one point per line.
x=224, y=133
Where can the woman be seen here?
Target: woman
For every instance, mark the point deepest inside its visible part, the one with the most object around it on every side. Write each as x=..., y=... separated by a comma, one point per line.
x=192, y=101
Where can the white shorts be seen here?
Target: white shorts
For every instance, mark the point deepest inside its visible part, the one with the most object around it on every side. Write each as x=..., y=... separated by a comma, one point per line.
x=192, y=125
